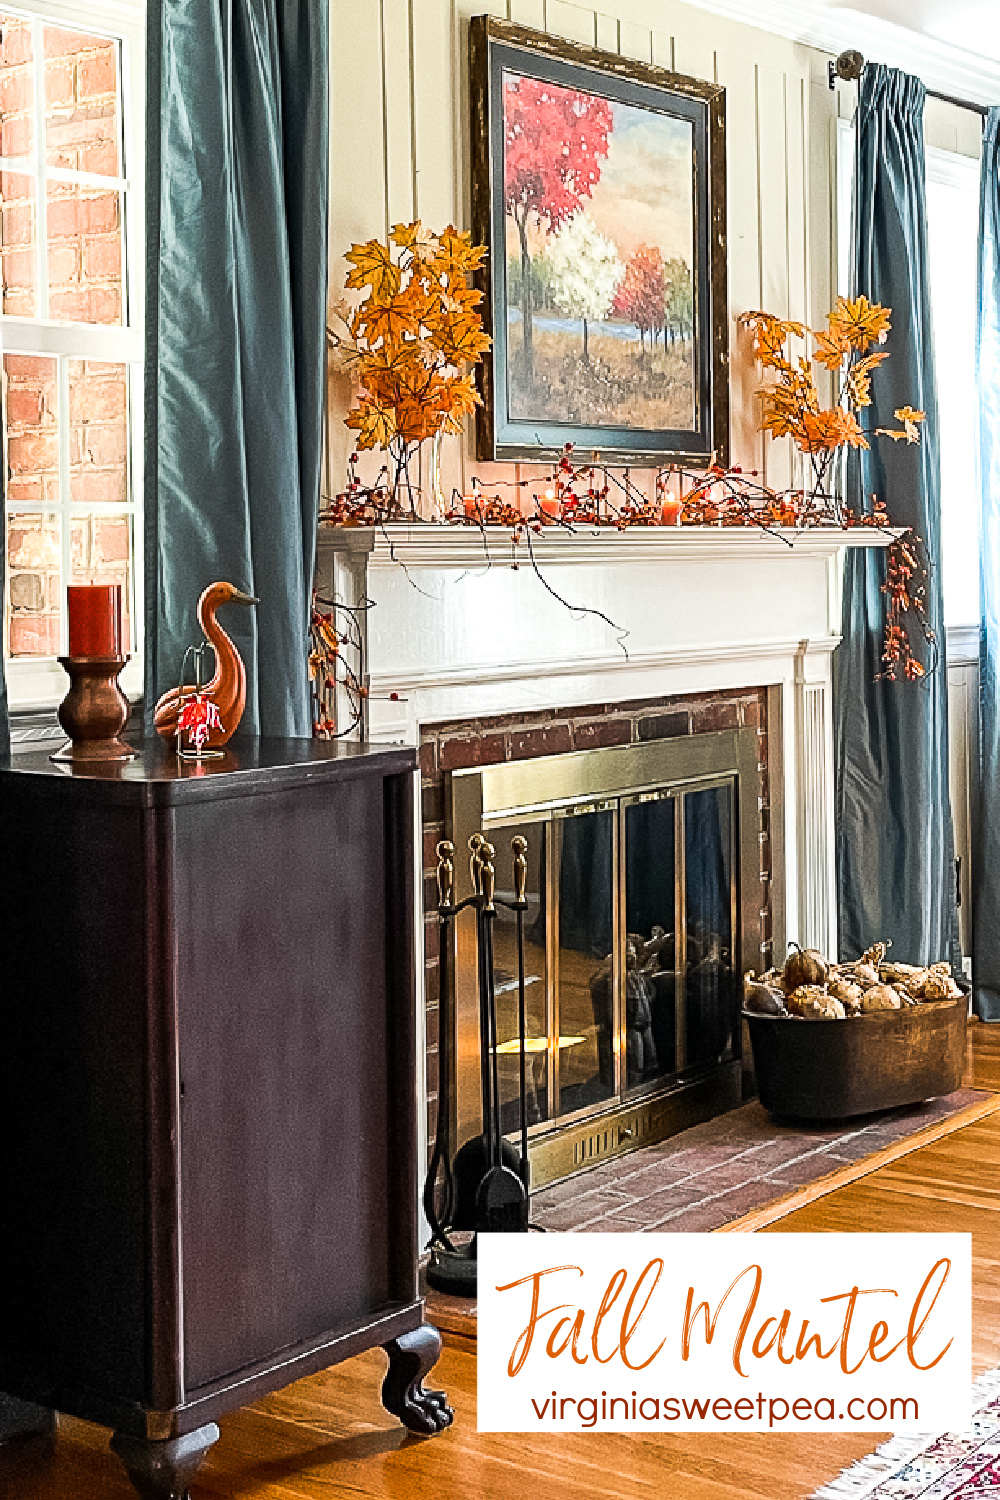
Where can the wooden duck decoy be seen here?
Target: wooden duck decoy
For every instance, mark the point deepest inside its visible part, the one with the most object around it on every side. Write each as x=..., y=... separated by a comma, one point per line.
x=227, y=689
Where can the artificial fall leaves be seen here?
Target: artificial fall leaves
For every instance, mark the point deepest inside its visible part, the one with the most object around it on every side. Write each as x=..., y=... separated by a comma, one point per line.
x=791, y=403
x=414, y=336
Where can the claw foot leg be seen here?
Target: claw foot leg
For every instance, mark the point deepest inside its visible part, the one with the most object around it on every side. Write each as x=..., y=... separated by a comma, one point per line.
x=162, y=1470
x=411, y=1357
x=24, y=1419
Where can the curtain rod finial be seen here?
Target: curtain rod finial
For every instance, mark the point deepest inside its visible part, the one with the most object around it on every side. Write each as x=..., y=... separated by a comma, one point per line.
x=849, y=66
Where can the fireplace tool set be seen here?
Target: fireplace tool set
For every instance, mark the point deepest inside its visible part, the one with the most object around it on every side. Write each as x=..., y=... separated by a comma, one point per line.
x=487, y=1185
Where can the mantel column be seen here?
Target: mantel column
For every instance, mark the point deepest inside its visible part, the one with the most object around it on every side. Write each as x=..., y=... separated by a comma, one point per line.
x=812, y=788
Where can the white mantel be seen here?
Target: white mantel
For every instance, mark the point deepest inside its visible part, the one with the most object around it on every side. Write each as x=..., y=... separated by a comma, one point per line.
x=462, y=626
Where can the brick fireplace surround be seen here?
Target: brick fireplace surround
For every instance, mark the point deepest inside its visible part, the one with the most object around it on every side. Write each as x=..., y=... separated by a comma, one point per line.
x=510, y=737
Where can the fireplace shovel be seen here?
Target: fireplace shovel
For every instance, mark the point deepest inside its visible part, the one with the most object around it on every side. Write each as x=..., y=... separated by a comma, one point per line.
x=451, y=1268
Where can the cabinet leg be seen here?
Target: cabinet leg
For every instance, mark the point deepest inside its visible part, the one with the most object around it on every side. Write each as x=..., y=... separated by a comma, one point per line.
x=163, y=1470
x=411, y=1357
x=24, y=1419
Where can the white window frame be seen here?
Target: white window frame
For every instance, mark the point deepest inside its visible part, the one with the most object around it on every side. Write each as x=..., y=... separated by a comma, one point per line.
x=40, y=682
x=952, y=169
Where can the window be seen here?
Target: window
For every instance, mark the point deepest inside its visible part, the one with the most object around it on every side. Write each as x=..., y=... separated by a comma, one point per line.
x=71, y=216
x=952, y=232
x=953, y=238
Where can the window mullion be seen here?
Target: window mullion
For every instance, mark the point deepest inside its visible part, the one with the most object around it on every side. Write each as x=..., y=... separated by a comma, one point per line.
x=41, y=190
x=66, y=529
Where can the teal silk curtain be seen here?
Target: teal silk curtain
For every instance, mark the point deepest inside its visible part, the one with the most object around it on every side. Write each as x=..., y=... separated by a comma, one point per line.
x=236, y=318
x=895, y=861
x=986, y=933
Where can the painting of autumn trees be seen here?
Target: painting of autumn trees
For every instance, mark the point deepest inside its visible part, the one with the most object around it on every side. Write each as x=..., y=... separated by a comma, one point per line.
x=599, y=222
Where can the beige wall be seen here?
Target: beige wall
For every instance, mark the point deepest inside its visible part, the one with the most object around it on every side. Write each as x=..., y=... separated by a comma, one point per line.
x=399, y=134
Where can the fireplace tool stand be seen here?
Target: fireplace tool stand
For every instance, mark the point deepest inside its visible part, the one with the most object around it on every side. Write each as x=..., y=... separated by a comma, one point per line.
x=487, y=1186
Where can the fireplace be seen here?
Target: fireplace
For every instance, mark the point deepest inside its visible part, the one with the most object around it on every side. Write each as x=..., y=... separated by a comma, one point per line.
x=644, y=910
x=473, y=655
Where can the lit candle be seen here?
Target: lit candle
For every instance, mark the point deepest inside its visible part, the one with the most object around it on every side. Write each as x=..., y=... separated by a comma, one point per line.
x=472, y=504
x=550, y=506
x=95, y=619
x=670, y=514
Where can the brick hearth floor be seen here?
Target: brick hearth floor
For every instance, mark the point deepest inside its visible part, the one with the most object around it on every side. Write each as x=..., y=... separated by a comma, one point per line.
x=717, y=1172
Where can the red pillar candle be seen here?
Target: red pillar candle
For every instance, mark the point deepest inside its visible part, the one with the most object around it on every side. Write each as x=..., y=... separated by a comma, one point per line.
x=550, y=506
x=95, y=619
x=670, y=512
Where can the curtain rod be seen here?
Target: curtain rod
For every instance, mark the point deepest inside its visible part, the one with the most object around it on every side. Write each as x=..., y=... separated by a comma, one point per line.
x=849, y=66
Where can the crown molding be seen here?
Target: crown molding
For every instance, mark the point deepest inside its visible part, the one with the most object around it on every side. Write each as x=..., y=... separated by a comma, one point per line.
x=941, y=65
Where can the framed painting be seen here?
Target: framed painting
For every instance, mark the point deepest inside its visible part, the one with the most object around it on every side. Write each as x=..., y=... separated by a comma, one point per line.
x=599, y=187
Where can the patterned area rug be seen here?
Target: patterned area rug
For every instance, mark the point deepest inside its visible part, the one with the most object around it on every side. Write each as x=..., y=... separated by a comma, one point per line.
x=947, y=1466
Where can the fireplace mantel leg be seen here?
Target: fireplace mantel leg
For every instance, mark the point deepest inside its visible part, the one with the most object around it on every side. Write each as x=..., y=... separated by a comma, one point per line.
x=411, y=1357
x=163, y=1470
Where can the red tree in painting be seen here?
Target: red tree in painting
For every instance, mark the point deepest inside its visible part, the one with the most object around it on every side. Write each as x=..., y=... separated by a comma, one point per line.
x=640, y=295
x=554, y=141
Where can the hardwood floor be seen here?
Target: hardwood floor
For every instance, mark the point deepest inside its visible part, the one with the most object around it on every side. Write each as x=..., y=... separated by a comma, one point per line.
x=982, y=1069
x=328, y=1436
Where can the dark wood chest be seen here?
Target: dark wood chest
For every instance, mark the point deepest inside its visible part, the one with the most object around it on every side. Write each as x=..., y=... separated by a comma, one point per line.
x=207, y=1077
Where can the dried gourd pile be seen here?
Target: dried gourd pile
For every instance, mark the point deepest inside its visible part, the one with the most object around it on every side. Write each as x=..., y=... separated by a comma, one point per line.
x=810, y=989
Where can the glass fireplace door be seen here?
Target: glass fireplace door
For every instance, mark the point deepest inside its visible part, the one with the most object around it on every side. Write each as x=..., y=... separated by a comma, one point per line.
x=629, y=944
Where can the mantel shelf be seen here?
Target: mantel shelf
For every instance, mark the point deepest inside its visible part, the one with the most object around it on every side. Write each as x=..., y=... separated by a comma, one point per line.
x=430, y=546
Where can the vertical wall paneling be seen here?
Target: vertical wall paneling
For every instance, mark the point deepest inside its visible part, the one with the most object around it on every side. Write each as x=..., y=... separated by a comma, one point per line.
x=399, y=148
x=736, y=73
x=435, y=110
x=796, y=196
x=607, y=32
x=773, y=189
x=635, y=40
x=663, y=50
x=437, y=201
x=399, y=154
x=796, y=229
x=357, y=200
x=694, y=44
x=573, y=21
x=821, y=219
x=357, y=177
x=773, y=218
x=528, y=13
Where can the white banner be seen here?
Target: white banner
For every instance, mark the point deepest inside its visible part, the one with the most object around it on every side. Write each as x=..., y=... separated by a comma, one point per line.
x=725, y=1333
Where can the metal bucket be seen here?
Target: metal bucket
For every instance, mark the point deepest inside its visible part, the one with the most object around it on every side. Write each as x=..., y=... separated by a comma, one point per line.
x=831, y=1070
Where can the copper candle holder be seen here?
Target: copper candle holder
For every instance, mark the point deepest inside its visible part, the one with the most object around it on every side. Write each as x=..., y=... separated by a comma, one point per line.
x=94, y=711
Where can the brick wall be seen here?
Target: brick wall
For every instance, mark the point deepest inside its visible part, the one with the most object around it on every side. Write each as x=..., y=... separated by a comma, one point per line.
x=83, y=257
x=489, y=741
x=82, y=131
x=98, y=471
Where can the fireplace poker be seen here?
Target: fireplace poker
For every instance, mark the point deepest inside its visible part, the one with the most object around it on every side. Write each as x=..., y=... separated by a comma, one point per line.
x=519, y=845
x=441, y=1157
x=501, y=1202
x=476, y=843
x=487, y=855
